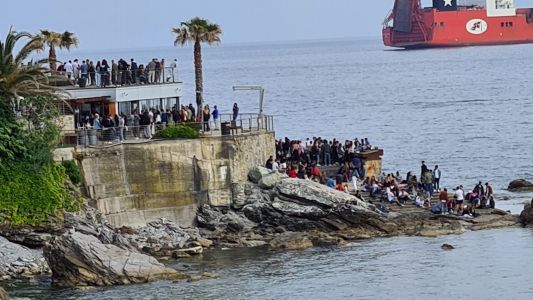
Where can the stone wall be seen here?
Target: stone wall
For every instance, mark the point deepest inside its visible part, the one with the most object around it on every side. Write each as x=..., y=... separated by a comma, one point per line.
x=137, y=183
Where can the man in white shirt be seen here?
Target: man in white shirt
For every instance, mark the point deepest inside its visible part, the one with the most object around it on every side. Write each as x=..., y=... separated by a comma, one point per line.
x=392, y=198
x=69, y=69
x=275, y=166
x=459, y=196
x=174, y=67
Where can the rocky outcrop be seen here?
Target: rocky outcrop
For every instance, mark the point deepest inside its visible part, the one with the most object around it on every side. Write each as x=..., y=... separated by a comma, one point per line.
x=291, y=213
x=164, y=238
x=526, y=217
x=78, y=259
x=520, y=185
x=17, y=261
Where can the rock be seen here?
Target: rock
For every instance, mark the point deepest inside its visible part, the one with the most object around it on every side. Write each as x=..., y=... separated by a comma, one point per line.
x=297, y=210
x=187, y=252
x=161, y=236
x=220, y=220
x=308, y=192
x=78, y=259
x=520, y=185
x=526, y=217
x=253, y=244
x=256, y=173
x=447, y=247
x=3, y=294
x=269, y=181
x=204, y=242
x=18, y=261
x=291, y=241
x=204, y=276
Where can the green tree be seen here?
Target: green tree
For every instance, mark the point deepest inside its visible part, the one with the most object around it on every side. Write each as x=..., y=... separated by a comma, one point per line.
x=54, y=40
x=19, y=80
x=198, y=31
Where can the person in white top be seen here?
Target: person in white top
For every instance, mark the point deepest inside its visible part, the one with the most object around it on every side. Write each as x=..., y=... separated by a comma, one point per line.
x=275, y=166
x=392, y=198
x=69, y=69
x=459, y=196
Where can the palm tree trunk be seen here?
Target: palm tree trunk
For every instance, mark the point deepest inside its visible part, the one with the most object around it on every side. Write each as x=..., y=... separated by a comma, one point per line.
x=52, y=59
x=198, y=74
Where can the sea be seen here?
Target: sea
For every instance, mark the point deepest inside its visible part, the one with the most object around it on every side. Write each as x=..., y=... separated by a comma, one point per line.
x=468, y=110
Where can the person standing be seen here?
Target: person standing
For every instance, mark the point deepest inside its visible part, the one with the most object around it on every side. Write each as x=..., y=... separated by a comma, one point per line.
x=436, y=178
x=235, y=111
x=443, y=197
x=423, y=170
x=121, y=127
x=207, y=116
x=459, y=196
x=84, y=70
x=151, y=71
x=174, y=67
x=215, y=117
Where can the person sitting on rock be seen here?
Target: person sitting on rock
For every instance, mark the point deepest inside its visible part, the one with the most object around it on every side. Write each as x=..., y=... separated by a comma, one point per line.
x=292, y=173
x=269, y=163
x=392, y=198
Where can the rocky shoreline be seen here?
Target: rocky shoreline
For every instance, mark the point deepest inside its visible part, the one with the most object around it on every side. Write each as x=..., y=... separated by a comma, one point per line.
x=274, y=211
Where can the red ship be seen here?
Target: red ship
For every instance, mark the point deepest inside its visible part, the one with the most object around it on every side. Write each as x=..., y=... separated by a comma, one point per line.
x=448, y=24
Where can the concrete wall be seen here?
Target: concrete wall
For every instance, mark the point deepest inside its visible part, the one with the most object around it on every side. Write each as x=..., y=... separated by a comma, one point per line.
x=137, y=183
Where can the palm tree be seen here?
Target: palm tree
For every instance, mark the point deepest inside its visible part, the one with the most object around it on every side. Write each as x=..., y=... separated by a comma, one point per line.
x=52, y=40
x=198, y=31
x=19, y=80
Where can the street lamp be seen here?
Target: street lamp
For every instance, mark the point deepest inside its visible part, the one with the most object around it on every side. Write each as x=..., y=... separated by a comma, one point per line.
x=258, y=88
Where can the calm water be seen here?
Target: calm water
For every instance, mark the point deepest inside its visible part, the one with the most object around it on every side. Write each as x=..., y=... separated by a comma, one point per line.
x=467, y=109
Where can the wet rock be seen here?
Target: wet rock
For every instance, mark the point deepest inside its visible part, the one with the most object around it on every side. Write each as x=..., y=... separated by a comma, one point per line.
x=447, y=247
x=438, y=227
x=253, y=244
x=256, y=173
x=204, y=276
x=78, y=259
x=520, y=185
x=269, y=181
x=186, y=252
x=291, y=241
x=526, y=217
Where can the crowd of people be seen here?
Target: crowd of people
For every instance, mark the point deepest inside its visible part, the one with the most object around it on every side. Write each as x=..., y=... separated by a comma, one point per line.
x=144, y=123
x=119, y=72
x=303, y=160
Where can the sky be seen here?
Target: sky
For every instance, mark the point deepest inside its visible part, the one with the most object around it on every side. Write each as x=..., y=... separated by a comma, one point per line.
x=127, y=24
x=118, y=24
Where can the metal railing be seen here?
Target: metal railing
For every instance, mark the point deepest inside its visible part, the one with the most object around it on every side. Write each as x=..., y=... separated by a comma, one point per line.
x=225, y=126
x=114, y=79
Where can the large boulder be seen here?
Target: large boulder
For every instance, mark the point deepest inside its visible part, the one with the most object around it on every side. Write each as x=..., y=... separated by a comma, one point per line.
x=269, y=181
x=313, y=193
x=77, y=259
x=526, y=217
x=256, y=173
x=520, y=185
x=18, y=261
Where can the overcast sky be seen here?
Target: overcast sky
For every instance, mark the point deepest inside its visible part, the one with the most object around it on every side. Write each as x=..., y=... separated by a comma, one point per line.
x=118, y=24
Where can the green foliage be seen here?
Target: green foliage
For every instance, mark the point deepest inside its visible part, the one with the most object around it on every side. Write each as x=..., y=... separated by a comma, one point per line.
x=32, y=187
x=72, y=170
x=179, y=132
x=30, y=197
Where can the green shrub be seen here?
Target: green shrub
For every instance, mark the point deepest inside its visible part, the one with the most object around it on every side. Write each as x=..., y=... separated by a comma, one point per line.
x=178, y=132
x=72, y=170
x=30, y=196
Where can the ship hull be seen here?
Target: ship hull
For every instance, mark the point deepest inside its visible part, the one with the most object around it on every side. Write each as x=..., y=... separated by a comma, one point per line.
x=436, y=29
